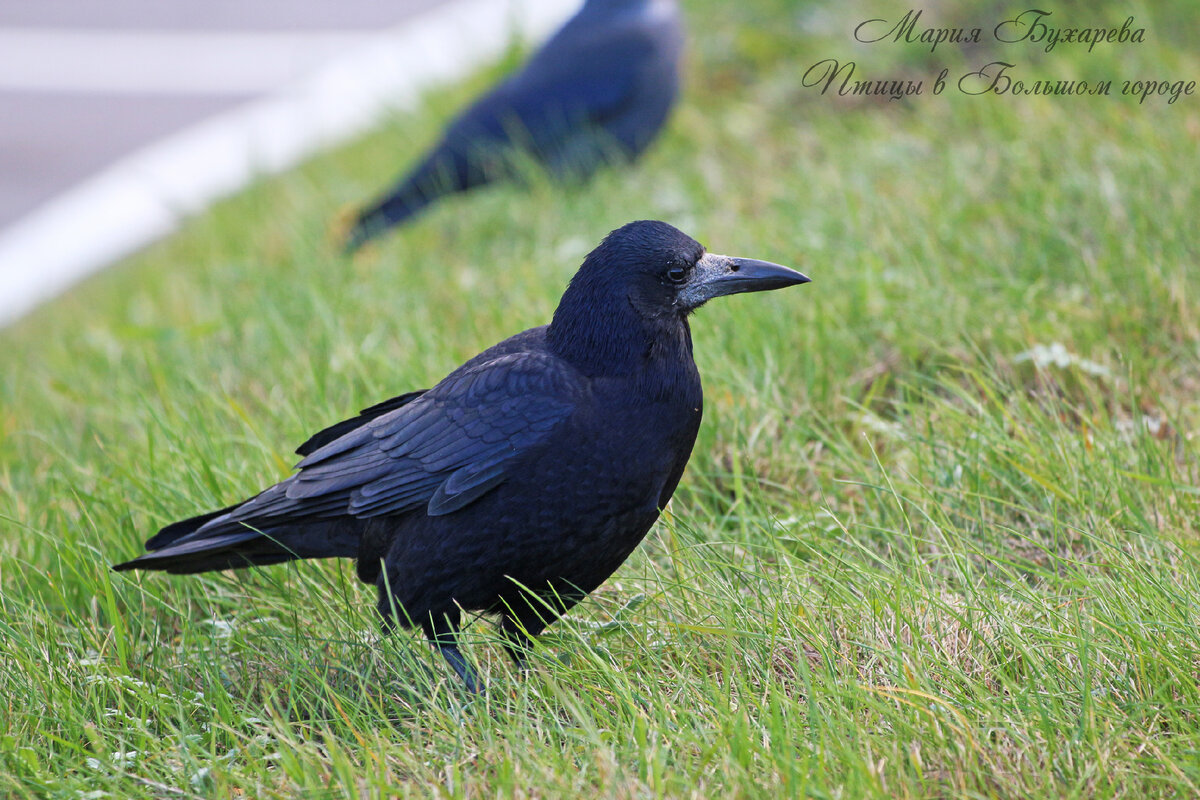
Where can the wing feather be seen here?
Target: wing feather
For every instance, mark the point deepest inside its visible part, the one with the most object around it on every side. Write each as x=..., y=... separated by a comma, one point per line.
x=441, y=450
x=444, y=449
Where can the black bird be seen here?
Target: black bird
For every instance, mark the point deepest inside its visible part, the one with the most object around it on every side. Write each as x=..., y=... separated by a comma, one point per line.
x=598, y=91
x=523, y=479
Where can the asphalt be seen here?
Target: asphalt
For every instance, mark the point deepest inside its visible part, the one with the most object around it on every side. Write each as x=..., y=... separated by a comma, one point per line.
x=211, y=15
x=62, y=120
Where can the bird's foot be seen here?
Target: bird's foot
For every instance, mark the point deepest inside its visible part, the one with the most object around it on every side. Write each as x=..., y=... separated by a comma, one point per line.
x=460, y=665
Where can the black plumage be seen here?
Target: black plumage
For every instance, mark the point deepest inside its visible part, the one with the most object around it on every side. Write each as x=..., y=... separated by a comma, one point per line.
x=597, y=92
x=523, y=479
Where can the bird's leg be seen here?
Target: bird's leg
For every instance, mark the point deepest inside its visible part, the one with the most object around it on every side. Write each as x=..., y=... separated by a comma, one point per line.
x=442, y=632
x=459, y=663
x=516, y=642
x=520, y=624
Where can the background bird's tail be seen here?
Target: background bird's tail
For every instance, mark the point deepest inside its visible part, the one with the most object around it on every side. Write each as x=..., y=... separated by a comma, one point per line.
x=387, y=213
x=448, y=169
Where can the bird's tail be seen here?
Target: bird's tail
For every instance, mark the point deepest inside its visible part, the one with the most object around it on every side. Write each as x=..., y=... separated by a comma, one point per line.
x=446, y=170
x=374, y=220
x=213, y=542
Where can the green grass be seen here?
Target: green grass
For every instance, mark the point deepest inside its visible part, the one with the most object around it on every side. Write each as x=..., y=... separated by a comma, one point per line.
x=912, y=556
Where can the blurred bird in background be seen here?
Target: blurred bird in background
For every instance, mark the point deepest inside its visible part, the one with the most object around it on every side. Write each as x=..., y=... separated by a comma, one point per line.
x=598, y=92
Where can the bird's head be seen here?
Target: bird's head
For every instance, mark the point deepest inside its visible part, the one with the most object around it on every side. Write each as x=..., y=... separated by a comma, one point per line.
x=663, y=271
x=652, y=273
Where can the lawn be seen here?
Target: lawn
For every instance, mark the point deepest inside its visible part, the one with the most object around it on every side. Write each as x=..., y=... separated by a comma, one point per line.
x=939, y=535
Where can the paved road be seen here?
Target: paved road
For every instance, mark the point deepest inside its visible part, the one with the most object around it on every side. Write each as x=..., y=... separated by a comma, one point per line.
x=84, y=82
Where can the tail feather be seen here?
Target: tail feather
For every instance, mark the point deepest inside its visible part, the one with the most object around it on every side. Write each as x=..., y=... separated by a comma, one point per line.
x=235, y=545
x=177, y=530
x=389, y=212
x=450, y=168
x=227, y=551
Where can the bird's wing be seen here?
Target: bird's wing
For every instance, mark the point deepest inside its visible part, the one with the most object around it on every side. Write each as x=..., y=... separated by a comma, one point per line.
x=592, y=83
x=322, y=438
x=442, y=450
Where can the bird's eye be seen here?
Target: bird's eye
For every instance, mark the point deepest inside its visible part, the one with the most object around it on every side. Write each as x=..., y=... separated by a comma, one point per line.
x=677, y=274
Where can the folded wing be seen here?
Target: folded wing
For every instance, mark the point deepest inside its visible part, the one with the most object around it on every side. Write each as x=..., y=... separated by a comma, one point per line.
x=434, y=453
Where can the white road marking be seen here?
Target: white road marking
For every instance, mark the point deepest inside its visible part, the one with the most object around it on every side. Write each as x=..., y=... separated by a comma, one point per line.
x=143, y=196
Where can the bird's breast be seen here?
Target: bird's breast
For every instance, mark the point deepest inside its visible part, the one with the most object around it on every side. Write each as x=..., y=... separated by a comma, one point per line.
x=639, y=440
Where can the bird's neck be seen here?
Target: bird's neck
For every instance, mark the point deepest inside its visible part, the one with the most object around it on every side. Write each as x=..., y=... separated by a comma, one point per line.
x=613, y=339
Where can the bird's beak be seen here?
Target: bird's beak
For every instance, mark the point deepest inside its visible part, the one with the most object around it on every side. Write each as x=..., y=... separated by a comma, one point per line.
x=716, y=275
